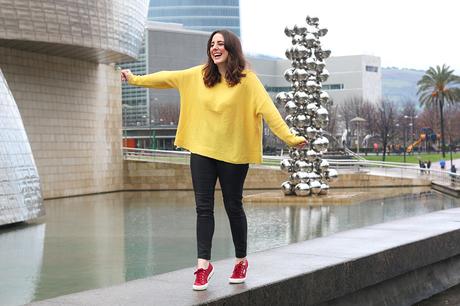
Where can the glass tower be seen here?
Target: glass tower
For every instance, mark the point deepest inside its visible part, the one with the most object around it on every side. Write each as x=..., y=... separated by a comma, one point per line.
x=203, y=15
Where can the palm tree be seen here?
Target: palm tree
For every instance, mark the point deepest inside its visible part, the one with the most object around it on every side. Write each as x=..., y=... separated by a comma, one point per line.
x=436, y=87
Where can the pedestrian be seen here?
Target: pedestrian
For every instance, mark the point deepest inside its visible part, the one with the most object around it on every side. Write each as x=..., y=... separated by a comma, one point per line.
x=442, y=164
x=221, y=109
x=422, y=166
x=453, y=177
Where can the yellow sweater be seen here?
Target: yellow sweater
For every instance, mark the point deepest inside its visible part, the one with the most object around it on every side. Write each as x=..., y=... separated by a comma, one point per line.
x=222, y=122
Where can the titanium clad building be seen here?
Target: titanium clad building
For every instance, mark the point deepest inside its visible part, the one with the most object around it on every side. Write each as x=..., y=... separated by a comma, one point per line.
x=203, y=15
x=56, y=57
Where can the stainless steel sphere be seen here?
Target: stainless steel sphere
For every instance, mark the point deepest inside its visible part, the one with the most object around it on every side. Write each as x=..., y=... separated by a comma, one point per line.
x=296, y=63
x=332, y=174
x=300, y=29
x=315, y=186
x=302, y=189
x=311, y=132
x=311, y=155
x=324, y=75
x=325, y=143
x=287, y=188
x=288, y=31
x=310, y=63
x=289, y=53
x=309, y=40
x=289, y=120
x=324, y=189
x=297, y=39
x=281, y=98
x=326, y=54
x=324, y=165
x=322, y=32
x=294, y=154
x=311, y=108
x=300, y=97
x=294, y=131
x=324, y=97
x=318, y=145
x=286, y=165
x=322, y=113
x=290, y=108
x=289, y=74
x=302, y=165
x=320, y=64
x=300, y=121
x=314, y=21
x=300, y=74
x=312, y=86
x=296, y=85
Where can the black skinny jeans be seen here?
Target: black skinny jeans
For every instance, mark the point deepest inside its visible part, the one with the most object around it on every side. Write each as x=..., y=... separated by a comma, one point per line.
x=205, y=172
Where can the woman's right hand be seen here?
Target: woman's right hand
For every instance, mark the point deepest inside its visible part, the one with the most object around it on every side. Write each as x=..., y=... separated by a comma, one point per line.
x=125, y=73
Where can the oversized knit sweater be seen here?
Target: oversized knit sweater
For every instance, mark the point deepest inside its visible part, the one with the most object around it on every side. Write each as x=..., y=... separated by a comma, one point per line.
x=221, y=122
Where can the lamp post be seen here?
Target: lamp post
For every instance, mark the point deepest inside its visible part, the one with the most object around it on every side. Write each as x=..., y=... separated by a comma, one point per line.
x=357, y=120
x=412, y=124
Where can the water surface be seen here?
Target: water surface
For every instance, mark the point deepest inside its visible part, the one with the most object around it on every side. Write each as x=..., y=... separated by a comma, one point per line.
x=101, y=240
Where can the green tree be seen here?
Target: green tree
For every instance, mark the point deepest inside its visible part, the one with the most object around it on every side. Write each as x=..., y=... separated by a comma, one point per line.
x=438, y=86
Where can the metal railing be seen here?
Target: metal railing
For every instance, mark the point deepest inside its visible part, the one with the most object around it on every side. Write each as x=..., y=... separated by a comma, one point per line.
x=403, y=170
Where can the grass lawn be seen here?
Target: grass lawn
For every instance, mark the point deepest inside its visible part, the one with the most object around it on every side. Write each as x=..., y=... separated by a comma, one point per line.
x=434, y=157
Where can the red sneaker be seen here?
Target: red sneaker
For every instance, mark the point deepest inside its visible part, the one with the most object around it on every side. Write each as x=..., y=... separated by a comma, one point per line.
x=202, y=277
x=239, y=272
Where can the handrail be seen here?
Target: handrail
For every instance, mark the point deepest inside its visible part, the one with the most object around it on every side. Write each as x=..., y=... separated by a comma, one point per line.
x=378, y=167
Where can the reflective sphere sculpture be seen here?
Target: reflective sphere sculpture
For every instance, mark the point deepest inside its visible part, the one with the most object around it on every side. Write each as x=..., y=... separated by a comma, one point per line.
x=302, y=165
x=311, y=132
x=289, y=74
x=286, y=165
x=332, y=174
x=287, y=188
x=324, y=165
x=300, y=121
x=315, y=187
x=302, y=189
x=281, y=98
x=324, y=189
x=305, y=107
x=290, y=108
x=288, y=31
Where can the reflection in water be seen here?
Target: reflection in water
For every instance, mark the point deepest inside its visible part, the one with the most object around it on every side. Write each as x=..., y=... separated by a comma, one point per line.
x=21, y=254
x=101, y=240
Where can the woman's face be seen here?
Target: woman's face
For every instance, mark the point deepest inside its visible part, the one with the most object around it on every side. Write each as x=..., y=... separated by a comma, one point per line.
x=218, y=53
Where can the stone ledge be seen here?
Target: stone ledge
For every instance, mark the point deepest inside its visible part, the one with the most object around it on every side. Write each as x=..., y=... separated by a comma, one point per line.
x=335, y=196
x=333, y=268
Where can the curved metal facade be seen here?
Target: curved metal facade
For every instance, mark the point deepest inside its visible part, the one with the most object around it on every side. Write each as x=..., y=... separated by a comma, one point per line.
x=204, y=15
x=101, y=31
x=20, y=193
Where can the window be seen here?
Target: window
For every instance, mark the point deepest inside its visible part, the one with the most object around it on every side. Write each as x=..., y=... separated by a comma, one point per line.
x=333, y=86
x=372, y=68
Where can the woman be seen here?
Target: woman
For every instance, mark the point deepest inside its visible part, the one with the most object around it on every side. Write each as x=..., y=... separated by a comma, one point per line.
x=220, y=123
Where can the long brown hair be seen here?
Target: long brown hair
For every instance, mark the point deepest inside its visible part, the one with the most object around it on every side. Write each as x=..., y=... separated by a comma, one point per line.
x=235, y=61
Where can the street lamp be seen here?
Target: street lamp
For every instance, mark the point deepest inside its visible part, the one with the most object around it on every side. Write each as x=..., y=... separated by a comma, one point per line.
x=357, y=120
x=412, y=124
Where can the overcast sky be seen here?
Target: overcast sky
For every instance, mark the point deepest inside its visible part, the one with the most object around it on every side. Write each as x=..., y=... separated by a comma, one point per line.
x=403, y=33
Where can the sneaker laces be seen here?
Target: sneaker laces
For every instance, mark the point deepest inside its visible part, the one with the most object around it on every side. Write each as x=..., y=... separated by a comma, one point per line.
x=201, y=275
x=239, y=268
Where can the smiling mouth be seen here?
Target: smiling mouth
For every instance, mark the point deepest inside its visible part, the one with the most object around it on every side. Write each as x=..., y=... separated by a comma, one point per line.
x=217, y=55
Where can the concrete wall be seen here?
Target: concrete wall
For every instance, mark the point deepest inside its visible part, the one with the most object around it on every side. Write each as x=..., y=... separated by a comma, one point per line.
x=163, y=176
x=71, y=111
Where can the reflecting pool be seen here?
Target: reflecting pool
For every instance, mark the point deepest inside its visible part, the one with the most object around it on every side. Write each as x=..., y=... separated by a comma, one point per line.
x=101, y=240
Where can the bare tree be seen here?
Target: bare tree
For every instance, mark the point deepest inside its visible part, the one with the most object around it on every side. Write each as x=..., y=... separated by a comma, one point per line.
x=385, y=123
